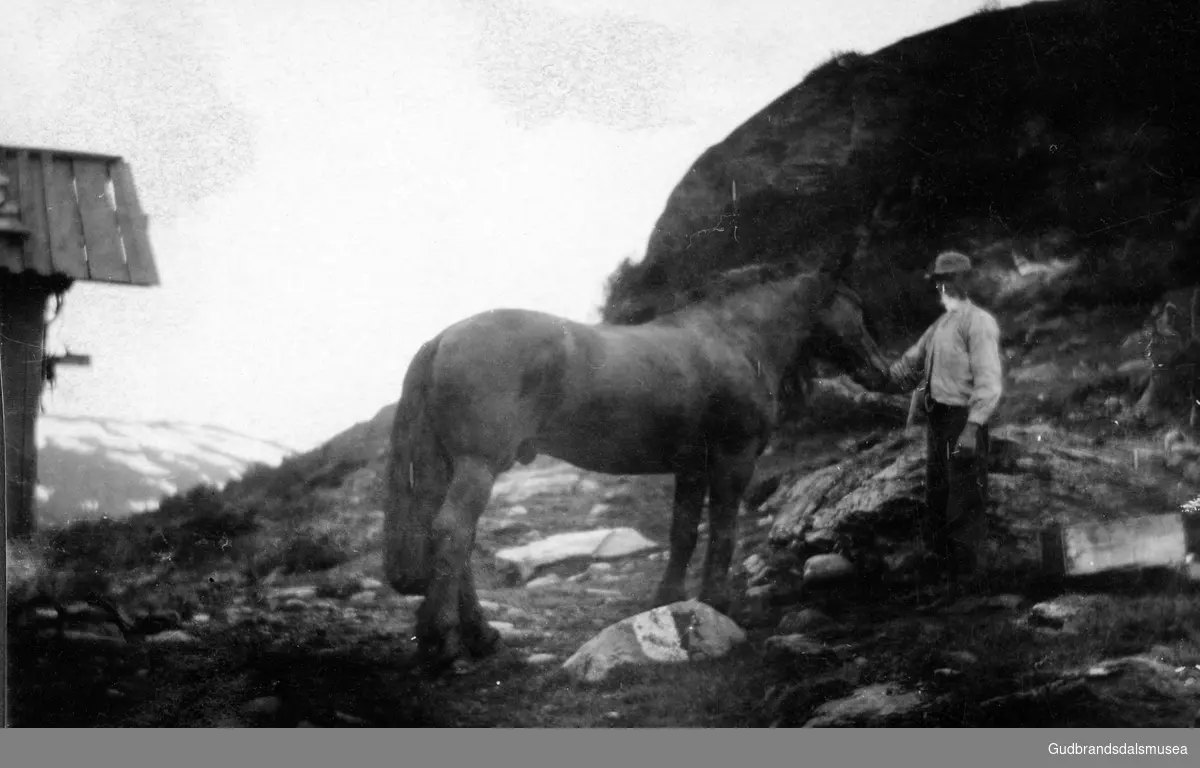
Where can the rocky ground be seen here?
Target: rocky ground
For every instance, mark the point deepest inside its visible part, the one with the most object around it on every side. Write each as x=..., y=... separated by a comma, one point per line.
x=333, y=648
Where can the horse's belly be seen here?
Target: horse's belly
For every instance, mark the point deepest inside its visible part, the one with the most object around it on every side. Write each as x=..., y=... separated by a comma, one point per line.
x=613, y=448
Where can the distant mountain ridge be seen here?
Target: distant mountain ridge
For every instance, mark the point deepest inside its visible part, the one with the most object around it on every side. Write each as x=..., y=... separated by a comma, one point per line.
x=93, y=466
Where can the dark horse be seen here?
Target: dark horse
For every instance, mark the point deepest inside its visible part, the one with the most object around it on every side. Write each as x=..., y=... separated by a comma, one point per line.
x=694, y=393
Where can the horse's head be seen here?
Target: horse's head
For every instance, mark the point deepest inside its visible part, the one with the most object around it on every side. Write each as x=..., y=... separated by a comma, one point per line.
x=842, y=336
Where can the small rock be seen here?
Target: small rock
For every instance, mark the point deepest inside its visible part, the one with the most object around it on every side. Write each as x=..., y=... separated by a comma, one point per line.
x=362, y=598
x=264, y=705
x=587, y=485
x=113, y=693
x=272, y=578
x=548, y=580
x=871, y=702
x=597, y=569
x=616, y=493
x=797, y=645
x=142, y=673
x=509, y=632
x=349, y=719
x=171, y=636
x=604, y=592
x=598, y=511
x=517, y=511
x=85, y=637
x=961, y=658
x=200, y=618
x=300, y=592
x=825, y=569
x=805, y=619
x=761, y=591
x=1053, y=613
x=541, y=658
x=367, y=583
x=489, y=605
x=294, y=604
x=756, y=569
x=902, y=562
x=1006, y=601
x=765, y=521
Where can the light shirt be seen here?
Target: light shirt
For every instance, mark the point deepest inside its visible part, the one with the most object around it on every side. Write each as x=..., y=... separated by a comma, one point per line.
x=963, y=348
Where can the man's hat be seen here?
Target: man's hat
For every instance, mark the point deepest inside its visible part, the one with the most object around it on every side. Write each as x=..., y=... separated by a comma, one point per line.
x=949, y=263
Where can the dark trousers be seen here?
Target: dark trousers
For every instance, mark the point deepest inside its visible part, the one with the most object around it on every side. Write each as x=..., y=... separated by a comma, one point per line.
x=956, y=491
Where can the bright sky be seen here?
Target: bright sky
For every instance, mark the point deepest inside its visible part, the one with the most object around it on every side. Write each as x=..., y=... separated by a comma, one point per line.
x=331, y=182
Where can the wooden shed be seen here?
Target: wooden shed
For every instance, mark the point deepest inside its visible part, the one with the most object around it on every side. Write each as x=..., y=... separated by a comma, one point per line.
x=64, y=216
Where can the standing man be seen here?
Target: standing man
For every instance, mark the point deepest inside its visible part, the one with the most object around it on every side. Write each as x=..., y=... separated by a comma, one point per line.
x=958, y=359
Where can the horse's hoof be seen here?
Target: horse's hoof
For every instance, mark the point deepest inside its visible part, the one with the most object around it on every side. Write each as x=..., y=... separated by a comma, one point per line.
x=484, y=642
x=436, y=665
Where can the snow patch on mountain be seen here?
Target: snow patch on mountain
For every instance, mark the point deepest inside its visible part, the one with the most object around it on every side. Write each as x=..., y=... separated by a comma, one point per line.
x=90, y=466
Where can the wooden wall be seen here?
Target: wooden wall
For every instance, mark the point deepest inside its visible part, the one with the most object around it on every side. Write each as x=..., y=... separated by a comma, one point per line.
x=23, y=300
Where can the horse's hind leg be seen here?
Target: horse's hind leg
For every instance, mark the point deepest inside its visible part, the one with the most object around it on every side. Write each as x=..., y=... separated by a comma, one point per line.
x=479, y=637
x=730, y=477
x=690, y=488
x=439, y=627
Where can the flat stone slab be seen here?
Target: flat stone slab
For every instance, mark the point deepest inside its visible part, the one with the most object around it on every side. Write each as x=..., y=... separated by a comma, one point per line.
x=602, y=543
x=871, y=702
x=522, y=486
x=685, y=631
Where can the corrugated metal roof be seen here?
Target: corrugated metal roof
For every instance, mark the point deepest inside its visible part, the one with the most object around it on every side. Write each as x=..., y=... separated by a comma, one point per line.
x=76, y=214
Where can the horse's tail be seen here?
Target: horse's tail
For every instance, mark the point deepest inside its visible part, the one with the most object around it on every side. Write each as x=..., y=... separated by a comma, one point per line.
x=417, y=475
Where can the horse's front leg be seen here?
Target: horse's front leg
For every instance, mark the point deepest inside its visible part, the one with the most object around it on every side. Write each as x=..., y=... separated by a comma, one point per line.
x=439, y=627
x=730, y=475
x=690, y=487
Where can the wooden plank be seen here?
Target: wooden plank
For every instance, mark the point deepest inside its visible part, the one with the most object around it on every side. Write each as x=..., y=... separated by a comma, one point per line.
x=33, y=213
x=1144, y=542
x=67, y=153
x=32, y=320
x=21, y=350
x=139, y=256
x=105, y=256
x=66, y=228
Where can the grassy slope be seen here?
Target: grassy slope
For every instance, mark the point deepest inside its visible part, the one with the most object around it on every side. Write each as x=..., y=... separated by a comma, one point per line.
x=322, y=663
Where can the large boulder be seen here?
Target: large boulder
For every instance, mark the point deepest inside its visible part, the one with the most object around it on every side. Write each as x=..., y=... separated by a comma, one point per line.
x=680, y=632
x=866, y=506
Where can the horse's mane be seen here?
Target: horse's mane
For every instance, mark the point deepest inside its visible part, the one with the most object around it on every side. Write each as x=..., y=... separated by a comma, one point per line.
x=742, y=279
x=716, y=289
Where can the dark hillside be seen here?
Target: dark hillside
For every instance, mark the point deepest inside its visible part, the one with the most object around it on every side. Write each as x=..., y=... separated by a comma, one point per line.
x=1059, y=135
